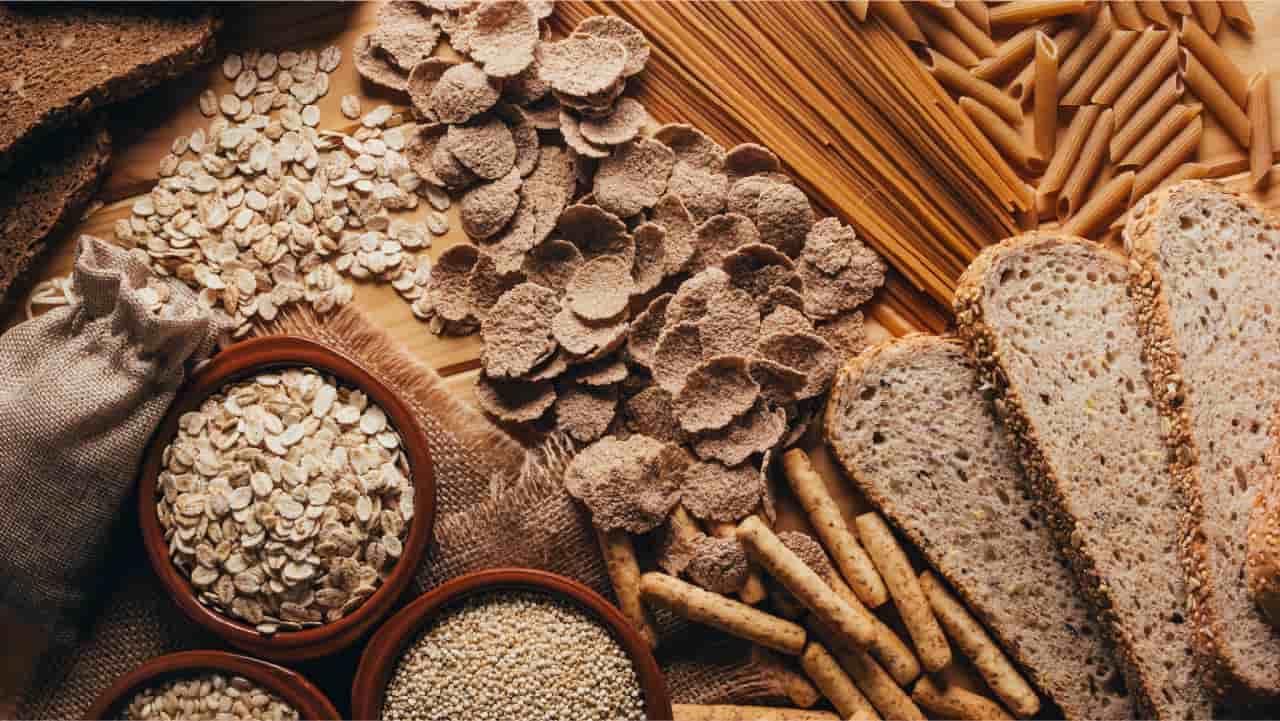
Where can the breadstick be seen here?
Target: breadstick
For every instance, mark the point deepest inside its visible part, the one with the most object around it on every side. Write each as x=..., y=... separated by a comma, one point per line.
x=941, y=38
x=1214, y=96
x=1178, y=7
x=1005, y=139
x=849, y=556
x=895, y=15
x=973, y=35
x=1068, y=153
x=1147, y=116
x=1073, y=65
x=853, y=626
x=1183, y=146
x=1102, y=65
x=712, y=609
x=1209, y=13
x=1134, y=61
x=973, y=641
x=795, y=685
x=1013, y=52
x=1155, y=12
x=1127, y=15
x=624, y=574
x=1025, y=12
x=1163, y=65
x=784, y=603
x=836, y=685
x=876, y=684
x=893, y=565
x=1260, y=118
x=727, y=712
x=1046, y=100
x=1237, y=16
x=962, y=82
x=1023, y=83
x=1086, y=167
x=1106, y=203
x=1178, y=117
x=753, y=590
x=1211, y=55
x=889, y=650
x=953, y=702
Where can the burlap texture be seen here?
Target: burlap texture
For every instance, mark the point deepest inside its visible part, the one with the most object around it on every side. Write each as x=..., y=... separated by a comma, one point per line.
x=497, y=505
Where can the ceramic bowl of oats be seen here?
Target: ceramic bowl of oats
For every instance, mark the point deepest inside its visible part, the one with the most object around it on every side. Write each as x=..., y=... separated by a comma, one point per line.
x=287, y=498
x=212, y=685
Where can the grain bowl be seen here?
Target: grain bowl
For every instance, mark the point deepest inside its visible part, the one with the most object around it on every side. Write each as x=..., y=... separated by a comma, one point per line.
x=287, y=498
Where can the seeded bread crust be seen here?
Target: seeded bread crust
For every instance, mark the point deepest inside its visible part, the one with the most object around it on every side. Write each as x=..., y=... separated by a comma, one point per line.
x=981, y=341
x=63, y=60
x=1067, y=680
x=1233, y=679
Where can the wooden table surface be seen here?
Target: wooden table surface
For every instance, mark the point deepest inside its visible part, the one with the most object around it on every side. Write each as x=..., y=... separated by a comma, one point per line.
x=143, y=135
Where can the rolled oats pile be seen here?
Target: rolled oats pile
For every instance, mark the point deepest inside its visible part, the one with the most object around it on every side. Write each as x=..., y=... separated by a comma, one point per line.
x=508, y=655
x=285, y=499
x=208, y=696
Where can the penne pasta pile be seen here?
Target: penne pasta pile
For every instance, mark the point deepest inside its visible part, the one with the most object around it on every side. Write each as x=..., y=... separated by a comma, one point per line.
x=1129, y=82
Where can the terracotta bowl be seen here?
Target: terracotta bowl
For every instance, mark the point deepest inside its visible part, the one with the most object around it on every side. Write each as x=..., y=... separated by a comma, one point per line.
x=250, y=358
x=288, y=685
x=387, y=645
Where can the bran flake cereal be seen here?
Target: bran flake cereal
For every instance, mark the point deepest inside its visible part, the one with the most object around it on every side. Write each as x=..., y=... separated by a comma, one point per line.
x=714, y=393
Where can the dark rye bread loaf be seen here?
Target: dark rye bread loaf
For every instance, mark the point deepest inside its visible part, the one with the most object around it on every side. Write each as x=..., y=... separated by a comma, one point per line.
x=47, y=197
x=63, y=60
x=1047, y=318
x=909, y=424
x=1207, y=289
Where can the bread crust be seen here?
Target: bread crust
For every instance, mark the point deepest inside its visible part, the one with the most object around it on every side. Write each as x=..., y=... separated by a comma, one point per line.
x=1228, y=680
x=980, y=340
x=846, y=382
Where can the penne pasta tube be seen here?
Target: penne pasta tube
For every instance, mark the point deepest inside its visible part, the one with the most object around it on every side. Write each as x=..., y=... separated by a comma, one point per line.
x=1172, y=123
x=976, y=10
x=1006, y=140
x=941, y=38
x=1259, y=108
x=1127, y=15
x=1046, y=99
x=895, y=15
x=978, y=39
x=1025, y=12
x=624, y=574
x=1211, y=55
x=1236, y=13
x=1155, y=12
x=1101, y=66
x=1068, y=153
x=753, y=590
x=1107, y=202
x=733, y=617
x=1029, y=219
x=1186, y=171
x=825, y=672
x=1001, y=677
x=1178, y=7
x=1023, y=85
x=1086, y=167
x=962, y=82
x=1163, y=65
x=728, y=712
x=1209, y=13
x=1148, y=115
x=860, y=9
x=1073, y=65
x=1162, y=166
x=1130, y=66
x=1013, y=53
x=949, y=701
x=877, y=685
x=1215, y=98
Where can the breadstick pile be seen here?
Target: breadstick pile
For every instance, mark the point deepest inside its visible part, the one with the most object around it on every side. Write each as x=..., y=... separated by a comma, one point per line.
x=1132, y=83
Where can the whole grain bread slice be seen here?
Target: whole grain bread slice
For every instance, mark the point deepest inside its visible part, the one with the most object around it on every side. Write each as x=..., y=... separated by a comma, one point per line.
x=1205, y=287
x=910, y=425
x=63, y=60
x=48, y=197
x=1047, y=319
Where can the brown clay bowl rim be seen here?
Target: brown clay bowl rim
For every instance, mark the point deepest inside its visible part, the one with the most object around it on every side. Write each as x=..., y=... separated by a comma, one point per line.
x=291, y=686
x=380, y=656
x=235, y=363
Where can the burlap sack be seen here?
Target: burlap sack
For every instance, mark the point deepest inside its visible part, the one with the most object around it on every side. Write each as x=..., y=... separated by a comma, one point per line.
x=490, y=493
x=81, y=390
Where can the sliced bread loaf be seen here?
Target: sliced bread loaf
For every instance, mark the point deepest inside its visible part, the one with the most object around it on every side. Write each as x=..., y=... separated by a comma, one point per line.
x=62, y=60
x=1048, y=321
x=1207, y=290
x=912, y=429
x=47, y=197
